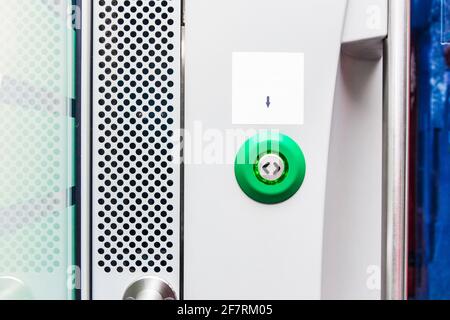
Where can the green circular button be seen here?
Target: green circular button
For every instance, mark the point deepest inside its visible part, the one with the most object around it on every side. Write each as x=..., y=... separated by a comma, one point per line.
x=270, y=167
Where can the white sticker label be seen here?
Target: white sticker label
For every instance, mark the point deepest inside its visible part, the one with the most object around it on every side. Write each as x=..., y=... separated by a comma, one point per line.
x=268, y=88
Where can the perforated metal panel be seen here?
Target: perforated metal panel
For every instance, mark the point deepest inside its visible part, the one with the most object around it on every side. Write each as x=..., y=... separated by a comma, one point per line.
x=35, y=149
x=135, y=123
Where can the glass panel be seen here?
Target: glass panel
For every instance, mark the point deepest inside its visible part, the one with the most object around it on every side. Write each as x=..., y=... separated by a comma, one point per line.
x=36, y=139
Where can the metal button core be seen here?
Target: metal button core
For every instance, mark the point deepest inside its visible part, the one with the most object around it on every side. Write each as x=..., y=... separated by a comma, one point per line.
x=271, y=167
x=149, y=288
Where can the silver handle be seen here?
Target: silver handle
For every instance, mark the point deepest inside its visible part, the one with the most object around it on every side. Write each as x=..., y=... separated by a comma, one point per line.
x=396, y=125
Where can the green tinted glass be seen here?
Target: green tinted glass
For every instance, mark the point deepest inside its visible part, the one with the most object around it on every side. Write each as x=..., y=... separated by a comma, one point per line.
x=36, y=139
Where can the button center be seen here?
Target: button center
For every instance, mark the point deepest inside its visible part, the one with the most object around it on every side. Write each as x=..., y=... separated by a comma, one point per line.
x=271, y=167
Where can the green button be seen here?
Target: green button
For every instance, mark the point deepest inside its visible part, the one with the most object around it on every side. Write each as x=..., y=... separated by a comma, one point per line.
x=270, y=167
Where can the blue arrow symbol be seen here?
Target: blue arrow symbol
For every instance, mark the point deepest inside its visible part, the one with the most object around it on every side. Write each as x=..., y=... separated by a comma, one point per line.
x=268, y=102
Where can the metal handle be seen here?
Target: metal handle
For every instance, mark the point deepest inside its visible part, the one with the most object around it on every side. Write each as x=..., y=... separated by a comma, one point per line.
x=396, y=125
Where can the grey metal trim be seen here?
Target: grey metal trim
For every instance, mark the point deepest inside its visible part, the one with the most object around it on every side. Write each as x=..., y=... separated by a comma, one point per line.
x=396, y=125
x=182, y=140
x=85, y=150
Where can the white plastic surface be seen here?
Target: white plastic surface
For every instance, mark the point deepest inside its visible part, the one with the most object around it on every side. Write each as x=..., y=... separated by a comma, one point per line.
x=236, y=248
x=353, y=207
x=365, y=19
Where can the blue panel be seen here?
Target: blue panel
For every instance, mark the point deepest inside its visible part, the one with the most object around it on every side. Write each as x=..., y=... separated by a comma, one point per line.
x=430, y=216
